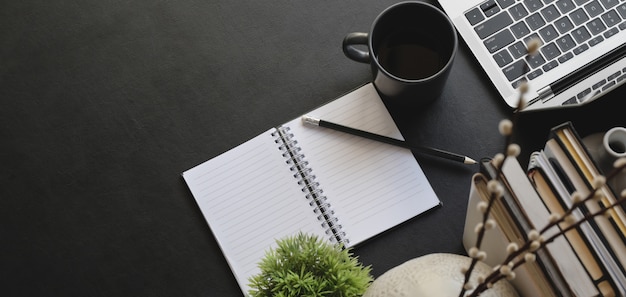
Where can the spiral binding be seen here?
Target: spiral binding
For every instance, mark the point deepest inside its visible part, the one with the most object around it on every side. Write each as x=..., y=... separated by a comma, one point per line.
x=305, y=178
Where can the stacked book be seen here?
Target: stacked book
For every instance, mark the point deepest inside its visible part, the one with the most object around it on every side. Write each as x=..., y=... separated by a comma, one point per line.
x=588, y=260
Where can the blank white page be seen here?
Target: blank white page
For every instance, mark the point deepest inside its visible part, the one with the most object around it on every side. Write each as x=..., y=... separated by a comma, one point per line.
x=250, y=199
x=371, y=186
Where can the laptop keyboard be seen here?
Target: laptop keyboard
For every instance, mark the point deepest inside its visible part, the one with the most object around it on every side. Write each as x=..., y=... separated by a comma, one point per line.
x=566, y=28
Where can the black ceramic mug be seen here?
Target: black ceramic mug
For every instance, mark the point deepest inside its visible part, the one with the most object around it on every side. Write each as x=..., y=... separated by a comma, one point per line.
x=411, y=47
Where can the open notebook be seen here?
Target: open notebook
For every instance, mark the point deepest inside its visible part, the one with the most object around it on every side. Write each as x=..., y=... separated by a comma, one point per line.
x=295, y=178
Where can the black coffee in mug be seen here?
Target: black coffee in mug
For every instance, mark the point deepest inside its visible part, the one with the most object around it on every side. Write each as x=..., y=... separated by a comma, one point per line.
x=410, y=56
x=410, y=47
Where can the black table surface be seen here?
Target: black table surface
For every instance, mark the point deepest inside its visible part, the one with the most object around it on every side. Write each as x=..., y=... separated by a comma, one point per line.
x=103, y=104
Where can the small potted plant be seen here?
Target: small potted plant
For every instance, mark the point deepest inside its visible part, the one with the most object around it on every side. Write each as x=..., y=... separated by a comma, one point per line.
x=305, y=265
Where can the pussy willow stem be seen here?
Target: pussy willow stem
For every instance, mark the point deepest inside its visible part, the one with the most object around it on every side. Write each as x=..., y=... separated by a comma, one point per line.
x=479, y=241
x=495, y=276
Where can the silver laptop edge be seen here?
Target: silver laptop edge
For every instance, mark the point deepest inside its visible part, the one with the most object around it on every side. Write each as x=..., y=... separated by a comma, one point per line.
x=540, y=95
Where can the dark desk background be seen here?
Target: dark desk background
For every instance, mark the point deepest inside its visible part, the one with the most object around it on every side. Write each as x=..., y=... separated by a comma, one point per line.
x=104, y=103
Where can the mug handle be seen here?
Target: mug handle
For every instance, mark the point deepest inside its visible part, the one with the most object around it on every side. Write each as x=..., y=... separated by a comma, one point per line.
x=350, y=49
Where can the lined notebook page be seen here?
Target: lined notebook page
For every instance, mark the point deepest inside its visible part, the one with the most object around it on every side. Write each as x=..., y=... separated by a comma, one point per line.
x=371, y=186
x=250, y=198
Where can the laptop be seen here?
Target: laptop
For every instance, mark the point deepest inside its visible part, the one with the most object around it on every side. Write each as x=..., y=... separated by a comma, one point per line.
x=583, y=52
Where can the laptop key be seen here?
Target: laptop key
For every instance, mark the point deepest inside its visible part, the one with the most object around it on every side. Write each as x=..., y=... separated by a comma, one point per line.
x=581, y=34
x=518, y=49
x=563, y=25
x=565, y=6
x=516, y=70
x=498, y=41
x=595, y=41
x=517, y=83
x=594, y=9
x=551, y=65
x=609, y=3
x=534, y=74
x=520, y=29
x=535, y=21
x=583, y=94
x=565, y=43
x=580, y=49
x=548, y=33
x=502, y=58
x=578, y=16
x=570, y=101
x=530, y=38
x=596, y=26
x=493, y=25
x=550, y=13
x=610, y=33
x=505, y=3
x=622, y=10
x=598, y=84
x=614, y=75
x=611, y=18
x=608, y=86
x=564, y=58
x=474, y=16
x=518, y=11
x=533, y=5
x=535, y=60
x=550, y=51
x=490, y=8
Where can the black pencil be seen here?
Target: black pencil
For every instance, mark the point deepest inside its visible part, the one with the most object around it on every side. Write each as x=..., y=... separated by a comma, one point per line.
x=419, y=149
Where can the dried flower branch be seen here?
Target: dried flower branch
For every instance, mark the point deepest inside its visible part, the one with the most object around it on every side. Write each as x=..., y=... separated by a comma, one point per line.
x=519, y=255
x=505, y=127
x=526, y=253
x=495, y=192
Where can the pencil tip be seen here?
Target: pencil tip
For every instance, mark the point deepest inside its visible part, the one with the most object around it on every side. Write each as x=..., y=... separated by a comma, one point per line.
x=469, y=161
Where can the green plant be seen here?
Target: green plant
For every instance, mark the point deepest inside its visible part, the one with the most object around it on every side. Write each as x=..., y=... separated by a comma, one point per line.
x=305, y=265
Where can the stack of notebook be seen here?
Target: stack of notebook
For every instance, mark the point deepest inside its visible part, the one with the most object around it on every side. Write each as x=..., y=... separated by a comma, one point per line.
x=590, y=259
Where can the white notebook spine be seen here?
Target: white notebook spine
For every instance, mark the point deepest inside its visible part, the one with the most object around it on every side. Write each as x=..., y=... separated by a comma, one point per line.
x=305, y=178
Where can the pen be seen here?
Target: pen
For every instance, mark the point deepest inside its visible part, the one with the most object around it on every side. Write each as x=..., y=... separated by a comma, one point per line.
x=421, y=149
x=578, y=75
